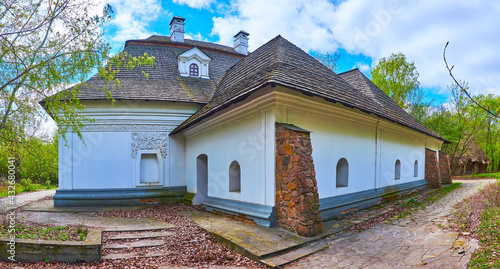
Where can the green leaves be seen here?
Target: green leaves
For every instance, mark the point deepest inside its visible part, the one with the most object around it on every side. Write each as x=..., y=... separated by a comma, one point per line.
x=38, y=59
x=397, y=77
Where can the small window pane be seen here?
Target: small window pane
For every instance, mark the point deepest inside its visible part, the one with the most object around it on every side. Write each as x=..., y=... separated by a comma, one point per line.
x=415, y=169
x=234, y=177
x=193, y=70
x=397, y=173
x=342, y=173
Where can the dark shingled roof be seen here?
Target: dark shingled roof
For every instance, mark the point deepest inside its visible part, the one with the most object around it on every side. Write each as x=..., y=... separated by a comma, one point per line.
x=281, y=62
x=386, y=107
x=164, y=83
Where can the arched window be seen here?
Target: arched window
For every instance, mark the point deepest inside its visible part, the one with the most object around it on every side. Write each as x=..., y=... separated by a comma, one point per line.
x=397, y=170
x=415, y=169
x=201, y=179
x=193, y=70
x=342, y=173
x=234, y=177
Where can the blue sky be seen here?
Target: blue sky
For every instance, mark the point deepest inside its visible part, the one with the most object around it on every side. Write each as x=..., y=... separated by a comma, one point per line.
x=363, y=31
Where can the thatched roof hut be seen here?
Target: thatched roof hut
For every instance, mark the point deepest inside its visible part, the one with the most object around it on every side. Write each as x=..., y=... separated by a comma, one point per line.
x=474, y=160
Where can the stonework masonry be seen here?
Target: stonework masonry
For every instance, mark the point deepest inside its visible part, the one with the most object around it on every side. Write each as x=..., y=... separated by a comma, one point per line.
x=432, y=169
x=297, y=200
x=444, y=168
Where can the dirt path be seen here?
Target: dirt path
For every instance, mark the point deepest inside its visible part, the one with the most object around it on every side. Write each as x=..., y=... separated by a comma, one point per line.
x=418, y=241
x=22, y=199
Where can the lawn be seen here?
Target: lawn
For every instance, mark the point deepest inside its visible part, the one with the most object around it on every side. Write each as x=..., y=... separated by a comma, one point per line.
x=479, y=217
x=25, y=186
x=480, y=176
x=37, y=231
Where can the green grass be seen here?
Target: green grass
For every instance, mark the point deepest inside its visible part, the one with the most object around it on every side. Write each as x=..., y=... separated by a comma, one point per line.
x=440, y=193
x=419, y=201
x=56, y=233
x=484, y=175
x=488, y=254
x=24, y=186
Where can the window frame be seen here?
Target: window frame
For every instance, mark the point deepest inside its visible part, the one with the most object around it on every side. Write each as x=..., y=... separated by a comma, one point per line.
x=397, y=170
x=341, y=175
x=194, y=67
x=234, y=177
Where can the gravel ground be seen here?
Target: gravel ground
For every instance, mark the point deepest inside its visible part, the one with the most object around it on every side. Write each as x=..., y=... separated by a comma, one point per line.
x=467, y=218
x=188, y=245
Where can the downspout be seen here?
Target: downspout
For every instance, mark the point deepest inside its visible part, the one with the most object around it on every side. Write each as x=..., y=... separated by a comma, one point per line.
x=376, y=153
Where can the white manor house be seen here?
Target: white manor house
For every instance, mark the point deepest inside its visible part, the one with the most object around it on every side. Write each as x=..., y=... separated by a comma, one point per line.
x=270, y=135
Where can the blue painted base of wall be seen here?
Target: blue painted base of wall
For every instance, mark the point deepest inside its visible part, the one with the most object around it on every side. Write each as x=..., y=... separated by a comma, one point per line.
x=332, y=207
x=118, y=197
x=263, y=215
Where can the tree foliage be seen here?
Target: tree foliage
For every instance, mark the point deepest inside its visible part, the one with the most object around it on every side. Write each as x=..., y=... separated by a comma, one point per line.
x=461, y=122
x=397, y=77
x=46, y=46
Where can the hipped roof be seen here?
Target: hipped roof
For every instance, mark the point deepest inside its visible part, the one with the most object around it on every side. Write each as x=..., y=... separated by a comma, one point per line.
x=281, y=62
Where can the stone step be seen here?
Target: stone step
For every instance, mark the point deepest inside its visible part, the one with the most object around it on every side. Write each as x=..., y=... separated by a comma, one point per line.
x=135, y=244
x=136, y=228
x=286, y=258
x=140, y=235
x=119, y=256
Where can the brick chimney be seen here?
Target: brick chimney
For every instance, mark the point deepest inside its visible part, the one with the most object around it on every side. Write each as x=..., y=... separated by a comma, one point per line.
x=177, y=29
x=241, y=42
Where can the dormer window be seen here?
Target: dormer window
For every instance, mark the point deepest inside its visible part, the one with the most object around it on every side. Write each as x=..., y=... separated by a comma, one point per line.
x=193, y=70
x=194, y=63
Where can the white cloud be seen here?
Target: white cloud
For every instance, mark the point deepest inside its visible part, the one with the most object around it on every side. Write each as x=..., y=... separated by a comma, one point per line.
x=132, y=18
x=198, y=4
x=420, y=29
x=303, y=22
x=362, y=67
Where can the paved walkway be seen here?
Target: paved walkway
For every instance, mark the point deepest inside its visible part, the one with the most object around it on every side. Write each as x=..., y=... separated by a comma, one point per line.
x=22, y=199
x=416, y=241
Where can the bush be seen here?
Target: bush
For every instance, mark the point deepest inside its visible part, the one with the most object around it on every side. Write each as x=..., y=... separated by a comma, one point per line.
x=35, y=159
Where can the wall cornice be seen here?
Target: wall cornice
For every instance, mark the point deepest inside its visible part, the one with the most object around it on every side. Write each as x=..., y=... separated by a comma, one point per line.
x=90, y=127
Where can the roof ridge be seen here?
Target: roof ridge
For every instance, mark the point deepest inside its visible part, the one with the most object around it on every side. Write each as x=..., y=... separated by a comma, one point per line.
x=348, y=71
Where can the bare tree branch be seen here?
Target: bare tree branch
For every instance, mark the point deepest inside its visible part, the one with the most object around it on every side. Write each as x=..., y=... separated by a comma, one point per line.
x=462, y=87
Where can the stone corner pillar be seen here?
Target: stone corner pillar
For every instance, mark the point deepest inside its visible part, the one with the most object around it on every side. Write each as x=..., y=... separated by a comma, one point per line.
x=432, y=169
x=444, y=168
x=297, y=199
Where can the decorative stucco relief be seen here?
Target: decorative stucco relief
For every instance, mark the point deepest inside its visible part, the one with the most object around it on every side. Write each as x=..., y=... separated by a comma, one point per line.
x=127, y=127
x=149, y=141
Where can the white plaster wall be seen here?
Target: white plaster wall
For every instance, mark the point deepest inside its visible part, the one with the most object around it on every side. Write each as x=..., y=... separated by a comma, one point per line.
x=250, y=141
x=333, y=139
x=177, y=157
x=407, y=149
x=104, y=159
x=369, y=144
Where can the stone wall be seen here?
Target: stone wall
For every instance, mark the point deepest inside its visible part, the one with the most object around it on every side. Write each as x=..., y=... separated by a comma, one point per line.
x=64, y=251
x=444, y=168
x=297, y=200
x=432, y=169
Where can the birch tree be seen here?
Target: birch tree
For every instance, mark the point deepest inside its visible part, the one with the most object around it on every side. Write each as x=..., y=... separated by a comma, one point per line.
x=45, y=47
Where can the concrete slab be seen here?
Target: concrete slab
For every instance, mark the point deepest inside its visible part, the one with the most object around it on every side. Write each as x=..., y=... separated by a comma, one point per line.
x=88, y=220
x=48, y=206
x=286, y=258
x=261, y=243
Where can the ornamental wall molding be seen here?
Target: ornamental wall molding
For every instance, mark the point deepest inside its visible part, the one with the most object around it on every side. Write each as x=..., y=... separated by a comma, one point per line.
x=149, y=141
x=128, y=127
